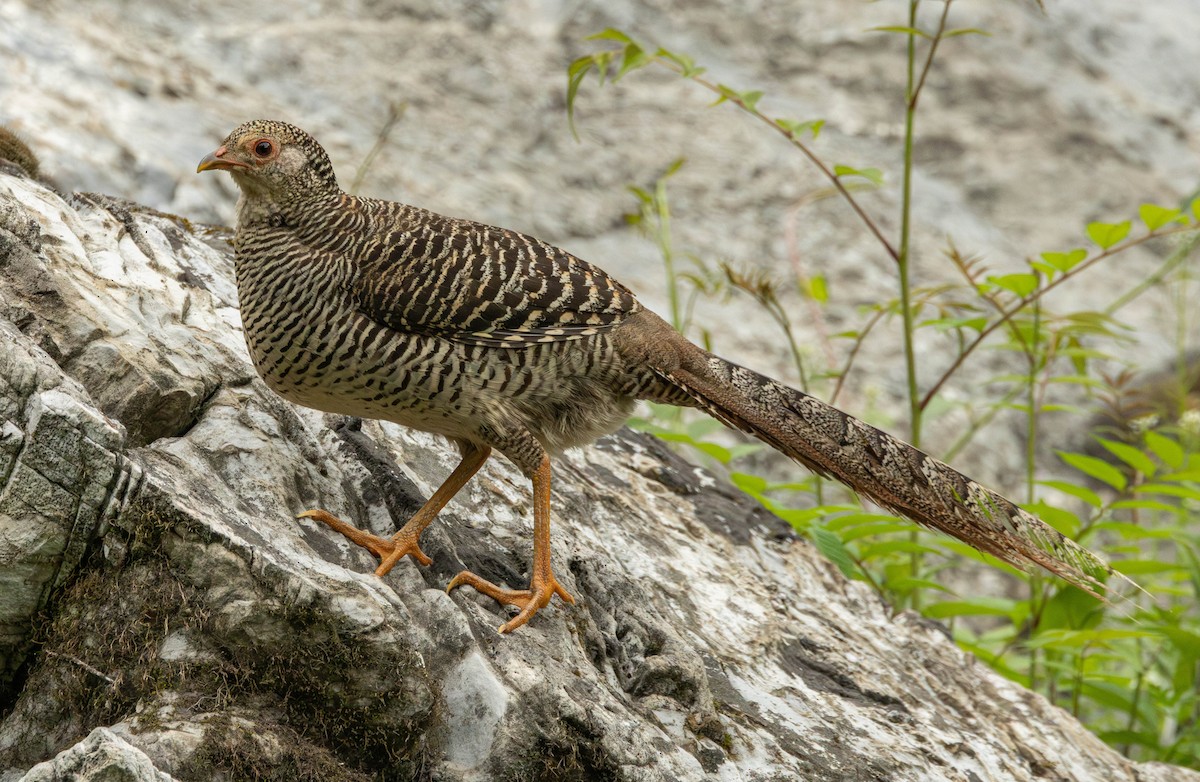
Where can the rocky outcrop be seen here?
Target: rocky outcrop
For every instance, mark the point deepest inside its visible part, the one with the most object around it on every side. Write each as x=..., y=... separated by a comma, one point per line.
x=166, y=616
x=102, y=756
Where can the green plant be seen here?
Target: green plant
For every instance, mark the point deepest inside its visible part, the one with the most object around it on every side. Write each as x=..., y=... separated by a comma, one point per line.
x=1128, y=670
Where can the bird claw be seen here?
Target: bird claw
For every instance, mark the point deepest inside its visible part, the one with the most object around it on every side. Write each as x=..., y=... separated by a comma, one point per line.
x=389, y=550
x=529, y=601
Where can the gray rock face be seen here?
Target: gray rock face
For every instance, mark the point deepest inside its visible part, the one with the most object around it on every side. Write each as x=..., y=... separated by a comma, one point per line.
x=62, y=474
x=172, y=611
x=101, y=757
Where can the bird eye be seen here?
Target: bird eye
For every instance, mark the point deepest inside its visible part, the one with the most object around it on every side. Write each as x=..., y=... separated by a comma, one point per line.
x=263, y=148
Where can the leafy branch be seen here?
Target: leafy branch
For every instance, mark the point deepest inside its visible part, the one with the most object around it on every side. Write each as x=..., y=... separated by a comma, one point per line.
x=613, y=64
x=1060, y=267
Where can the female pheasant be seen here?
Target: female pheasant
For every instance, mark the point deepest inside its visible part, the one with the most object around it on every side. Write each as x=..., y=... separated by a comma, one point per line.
x=497, y=340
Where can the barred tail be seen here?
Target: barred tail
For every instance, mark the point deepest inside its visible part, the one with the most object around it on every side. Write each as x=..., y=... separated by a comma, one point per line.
x=889, y=471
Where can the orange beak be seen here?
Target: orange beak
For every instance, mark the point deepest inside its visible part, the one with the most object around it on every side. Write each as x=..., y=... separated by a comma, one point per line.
x=216, y=161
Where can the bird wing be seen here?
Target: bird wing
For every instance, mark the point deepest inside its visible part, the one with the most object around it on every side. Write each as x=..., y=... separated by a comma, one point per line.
x=426, y=273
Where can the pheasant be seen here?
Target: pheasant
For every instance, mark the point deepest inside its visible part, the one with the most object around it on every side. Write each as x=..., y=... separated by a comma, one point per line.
x=501, y=342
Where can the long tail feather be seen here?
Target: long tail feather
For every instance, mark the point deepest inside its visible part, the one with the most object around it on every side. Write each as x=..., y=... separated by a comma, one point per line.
x=889, y=471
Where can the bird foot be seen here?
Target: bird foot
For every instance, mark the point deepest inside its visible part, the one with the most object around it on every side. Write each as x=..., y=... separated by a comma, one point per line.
x=530, y=601
x=389, y=550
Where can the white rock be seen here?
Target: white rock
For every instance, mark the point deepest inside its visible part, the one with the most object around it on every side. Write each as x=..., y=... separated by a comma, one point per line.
x=101, y=757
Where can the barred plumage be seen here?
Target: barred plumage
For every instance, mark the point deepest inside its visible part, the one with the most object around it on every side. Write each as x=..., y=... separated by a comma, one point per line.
x=498, y=340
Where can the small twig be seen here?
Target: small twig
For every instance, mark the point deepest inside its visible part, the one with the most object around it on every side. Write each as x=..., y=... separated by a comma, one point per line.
x=1177, y=257
x=90, y=669
x=933, y=45
x=798, y=144
x=1028, y=299
x=816, y=315
x=858, y=343
x=395, y=114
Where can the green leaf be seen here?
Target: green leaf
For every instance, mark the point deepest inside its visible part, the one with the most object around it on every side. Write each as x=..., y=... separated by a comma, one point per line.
x=576, y=72
x=872, y=174
x=1134, y=567
x=879, y=527
x=1076, y=380
x=1130, y=531
x=1021, y=284
x=1156, y=217
x=1070, y=608
x=1081, y=492
x=876, y=550
x=816, y=289
x=906, y=584
x=1074, y=639
x=1044, y=268
x=687, y=66
x=635, y=57
x=1108, y=234
x=1062, y=520
x=1165, y=507
x=797, y=128
x=829, y=544
x=1078, y=354
x=1166, y=449
x=748, y=99
x=751, y=484
x=1096, y=468
x=744, y=449
x=1187, y=642
x=895, y=28
x=1064, y=262
x=979, y=606
x=610, y=34
x=718, y=452
x=953, y=324
x=848, y=517
x=966, y=31
x=800, y=518
x=1169, y=489
x=642, y=194
x=1192, y=474
x=1134, y=457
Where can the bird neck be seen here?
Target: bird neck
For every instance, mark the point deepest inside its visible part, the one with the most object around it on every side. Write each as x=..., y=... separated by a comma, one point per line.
x=265, y=208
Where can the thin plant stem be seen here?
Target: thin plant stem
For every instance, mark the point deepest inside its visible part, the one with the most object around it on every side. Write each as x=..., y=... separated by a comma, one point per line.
x=902, y=258
x=795, y=141
x=854, y=351
x=1177, y=258
x=1134, y=702
x=1031, y=384
x=663, y=235
x=395, y=114
x=977, y=424
x=1021, y=303
x=902, y=273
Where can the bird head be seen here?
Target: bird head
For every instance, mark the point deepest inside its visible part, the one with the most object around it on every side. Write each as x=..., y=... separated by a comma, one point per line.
x=273, y=161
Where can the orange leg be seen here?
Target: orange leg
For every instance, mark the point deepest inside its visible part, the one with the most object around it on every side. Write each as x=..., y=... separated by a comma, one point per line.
x=407, y=540
x=542, y=585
